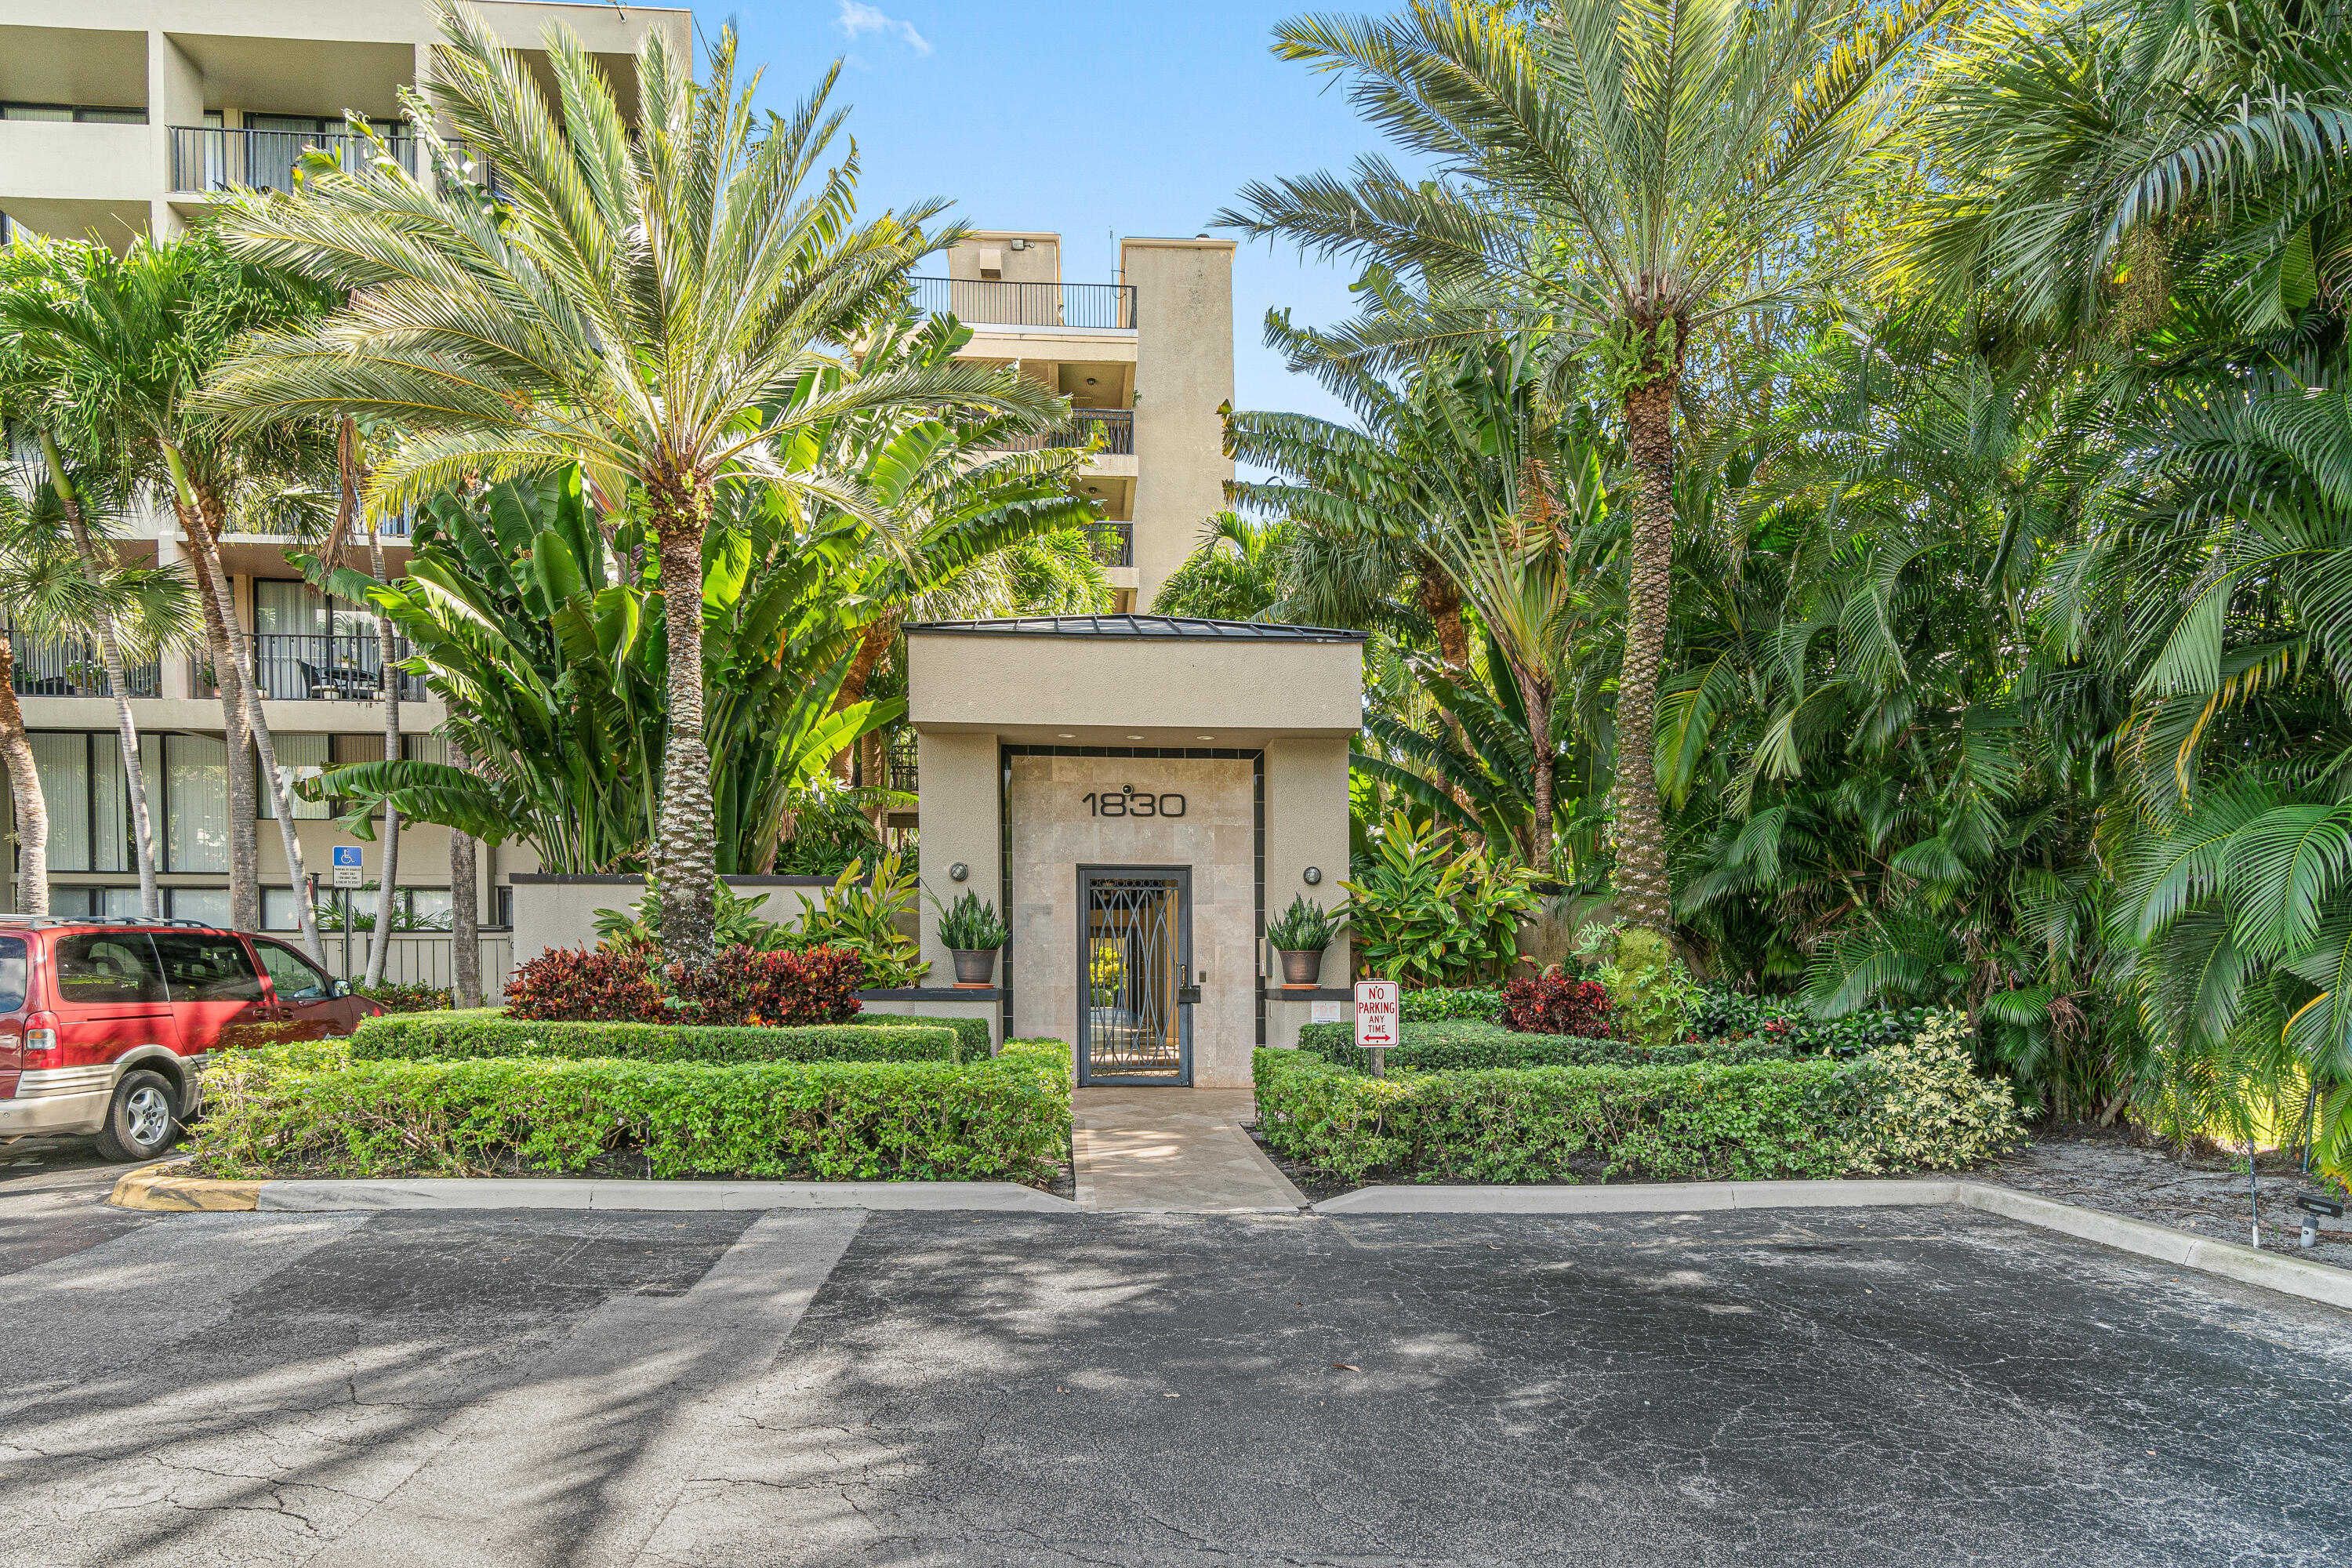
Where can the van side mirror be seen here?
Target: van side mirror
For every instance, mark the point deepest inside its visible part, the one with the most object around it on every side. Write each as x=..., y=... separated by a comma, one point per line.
x=343, y=987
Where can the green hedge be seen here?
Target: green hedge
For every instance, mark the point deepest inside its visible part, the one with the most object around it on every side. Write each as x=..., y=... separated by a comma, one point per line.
x=1913, y=1106
x=315, y=1109
x=486, y=1032
x=972, y=1032
x=1433, y=1003
x=1457, y=1044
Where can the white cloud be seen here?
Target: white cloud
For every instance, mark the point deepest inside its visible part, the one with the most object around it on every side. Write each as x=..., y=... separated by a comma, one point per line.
x=858, y=17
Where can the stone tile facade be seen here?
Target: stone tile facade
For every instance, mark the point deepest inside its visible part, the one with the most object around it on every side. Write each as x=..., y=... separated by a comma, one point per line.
x=1056, y=831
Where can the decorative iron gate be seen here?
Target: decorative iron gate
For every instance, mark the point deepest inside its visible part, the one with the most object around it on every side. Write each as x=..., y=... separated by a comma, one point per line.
x=1135, y=974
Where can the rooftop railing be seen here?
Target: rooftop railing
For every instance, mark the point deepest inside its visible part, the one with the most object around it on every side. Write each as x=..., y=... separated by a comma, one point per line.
x=986, y=301
x=209, y=158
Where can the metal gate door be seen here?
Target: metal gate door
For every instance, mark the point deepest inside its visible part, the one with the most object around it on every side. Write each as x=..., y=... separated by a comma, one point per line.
x=1135, y=974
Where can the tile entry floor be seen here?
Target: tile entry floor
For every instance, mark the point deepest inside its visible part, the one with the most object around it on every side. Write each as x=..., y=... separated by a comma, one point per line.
x=1173, y=1151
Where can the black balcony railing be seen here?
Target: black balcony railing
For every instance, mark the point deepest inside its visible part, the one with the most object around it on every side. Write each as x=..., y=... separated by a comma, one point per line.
x=1114, y=428
x=69, y=667
x=985, y=301
x=1113, y=542
x=298, y=666
x=206, y=158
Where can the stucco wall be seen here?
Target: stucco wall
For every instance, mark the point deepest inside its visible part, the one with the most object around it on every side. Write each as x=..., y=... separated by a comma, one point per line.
x=1305, y=825
x=959, y=826
x=1168, y=691
x=1054, y=834
x=1184, y=370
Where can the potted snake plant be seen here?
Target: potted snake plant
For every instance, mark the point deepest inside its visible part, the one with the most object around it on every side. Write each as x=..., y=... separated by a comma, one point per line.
x=1300, y=935
x=971, y=932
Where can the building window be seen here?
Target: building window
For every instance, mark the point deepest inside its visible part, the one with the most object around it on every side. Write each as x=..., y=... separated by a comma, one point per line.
x=503, y=904
x=413, y=909
x=112, y=902
x=75, y=114
x=195, y=804
x=88, y=797
x=209, y=905
x=300, y=757
x=305, y=645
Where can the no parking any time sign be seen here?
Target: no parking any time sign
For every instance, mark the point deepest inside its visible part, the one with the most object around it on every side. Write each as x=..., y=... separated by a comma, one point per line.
x=1379, y=1014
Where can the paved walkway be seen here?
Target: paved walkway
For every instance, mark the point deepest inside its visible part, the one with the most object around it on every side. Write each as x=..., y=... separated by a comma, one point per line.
x=1174, y=1151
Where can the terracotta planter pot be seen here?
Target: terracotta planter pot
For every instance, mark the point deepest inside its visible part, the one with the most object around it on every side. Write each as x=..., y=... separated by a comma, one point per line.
x=976, y=968
x=1302, y=970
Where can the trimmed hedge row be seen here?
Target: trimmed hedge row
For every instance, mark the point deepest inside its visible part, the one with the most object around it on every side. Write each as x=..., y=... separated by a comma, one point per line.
x=972, y=1032
x=1457, y=1044
x=481, y=1033
x=315, y=1108
x=1917, y=1105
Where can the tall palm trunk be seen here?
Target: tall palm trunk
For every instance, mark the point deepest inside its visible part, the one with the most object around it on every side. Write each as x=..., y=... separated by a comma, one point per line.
x=465, y=911
x=872, y=644
x=685, y=847
x=1441, y=600
x=110, y=654
x=1537, y=696
x=1640, y=882
x=24, y=786
x=387, y=891
x=249, y=696
x=244, y=850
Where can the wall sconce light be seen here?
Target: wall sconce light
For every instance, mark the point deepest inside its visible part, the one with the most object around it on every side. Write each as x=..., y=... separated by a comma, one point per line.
x=959, y=872
x=1312, y=875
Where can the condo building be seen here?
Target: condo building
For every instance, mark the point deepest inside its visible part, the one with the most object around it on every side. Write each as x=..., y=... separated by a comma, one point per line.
x=122, y=118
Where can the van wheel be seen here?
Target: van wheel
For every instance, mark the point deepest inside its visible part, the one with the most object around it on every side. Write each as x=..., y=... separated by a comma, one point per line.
x=142, y=1120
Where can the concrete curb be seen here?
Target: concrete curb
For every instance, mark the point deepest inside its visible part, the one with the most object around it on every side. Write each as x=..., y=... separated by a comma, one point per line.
x=153, y=1188
x=2319, y=1282
x=146, y=1188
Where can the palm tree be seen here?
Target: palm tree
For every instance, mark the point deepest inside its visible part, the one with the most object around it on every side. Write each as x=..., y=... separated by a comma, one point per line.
x=642, y=299
x=1233, y=574
x=125, y=341
x=57, y=587
x=1627, y=173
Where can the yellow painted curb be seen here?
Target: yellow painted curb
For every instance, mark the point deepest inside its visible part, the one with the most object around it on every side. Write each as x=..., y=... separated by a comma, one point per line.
x=148, y=1187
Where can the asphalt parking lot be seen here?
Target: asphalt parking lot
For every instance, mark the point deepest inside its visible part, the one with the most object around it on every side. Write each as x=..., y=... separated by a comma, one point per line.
x=1921, y=1386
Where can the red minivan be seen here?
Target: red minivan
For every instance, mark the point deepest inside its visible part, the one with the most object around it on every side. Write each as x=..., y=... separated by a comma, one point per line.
x=106, y=1024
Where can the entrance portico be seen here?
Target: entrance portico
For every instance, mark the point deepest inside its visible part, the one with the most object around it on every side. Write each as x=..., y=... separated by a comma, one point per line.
x=1137, y=794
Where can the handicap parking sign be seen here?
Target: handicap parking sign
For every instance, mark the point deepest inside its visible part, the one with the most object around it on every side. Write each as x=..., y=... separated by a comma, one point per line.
x=349, y=871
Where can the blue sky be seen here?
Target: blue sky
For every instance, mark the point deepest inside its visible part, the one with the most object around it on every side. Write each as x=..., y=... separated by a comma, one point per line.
x=1089, y=119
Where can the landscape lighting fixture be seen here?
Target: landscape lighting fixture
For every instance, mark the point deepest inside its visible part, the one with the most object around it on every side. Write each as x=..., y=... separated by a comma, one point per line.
x=2313, y=1206
x=1135, y=737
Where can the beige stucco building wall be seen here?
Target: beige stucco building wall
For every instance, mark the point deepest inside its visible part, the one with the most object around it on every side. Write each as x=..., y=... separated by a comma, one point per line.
x=1019, y=722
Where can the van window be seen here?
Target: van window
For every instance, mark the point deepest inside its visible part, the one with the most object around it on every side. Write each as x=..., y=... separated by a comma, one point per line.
x=207, y=968
x=297, y=979
x=98, y=967
x=12, y=973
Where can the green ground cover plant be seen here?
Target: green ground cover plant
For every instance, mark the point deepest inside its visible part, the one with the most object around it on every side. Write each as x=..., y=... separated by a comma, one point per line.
x=1915, y=1106
x=319, y=1109
x=483, y=1032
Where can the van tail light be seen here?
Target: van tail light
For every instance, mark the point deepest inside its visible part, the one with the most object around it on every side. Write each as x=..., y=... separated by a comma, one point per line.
x=40, y=1035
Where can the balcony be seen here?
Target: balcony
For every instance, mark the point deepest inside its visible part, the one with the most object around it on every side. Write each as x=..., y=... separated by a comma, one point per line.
x=299, y=666
x=985, y=301
x=69, y=667
x=1113, y=542
x=1115, y=427
x=204, y=158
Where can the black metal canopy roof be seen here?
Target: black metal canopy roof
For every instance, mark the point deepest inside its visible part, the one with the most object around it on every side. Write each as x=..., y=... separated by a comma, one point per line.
x=1159, y=628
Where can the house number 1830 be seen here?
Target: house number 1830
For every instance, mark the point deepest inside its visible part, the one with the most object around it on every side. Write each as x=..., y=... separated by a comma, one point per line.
x=1129, y=802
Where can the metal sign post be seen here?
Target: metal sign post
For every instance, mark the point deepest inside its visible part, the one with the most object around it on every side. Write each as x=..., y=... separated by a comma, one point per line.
x=1380, y=1013
x=351, y=871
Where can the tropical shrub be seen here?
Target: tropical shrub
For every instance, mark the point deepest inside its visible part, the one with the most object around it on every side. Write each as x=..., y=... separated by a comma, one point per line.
x=1919, y=1108
x=1430, y=908
x=316, y=1110
x=862, y=916
x=1930, y=1110
x=1435, y=1001
x=1458, y=1043
x=478, y=1031
x=1650, y=995
x=1732, y=1015
x=814, y=985
x=972, y=1035
x=395, y=998
x=570, y=983
x=738, y=924
x=1556, y=1004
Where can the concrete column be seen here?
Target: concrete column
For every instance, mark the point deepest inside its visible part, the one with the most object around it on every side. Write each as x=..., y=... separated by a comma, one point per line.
x=1184, y=374
x=176, y=96
x=1305, y=825
x=960, y=824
